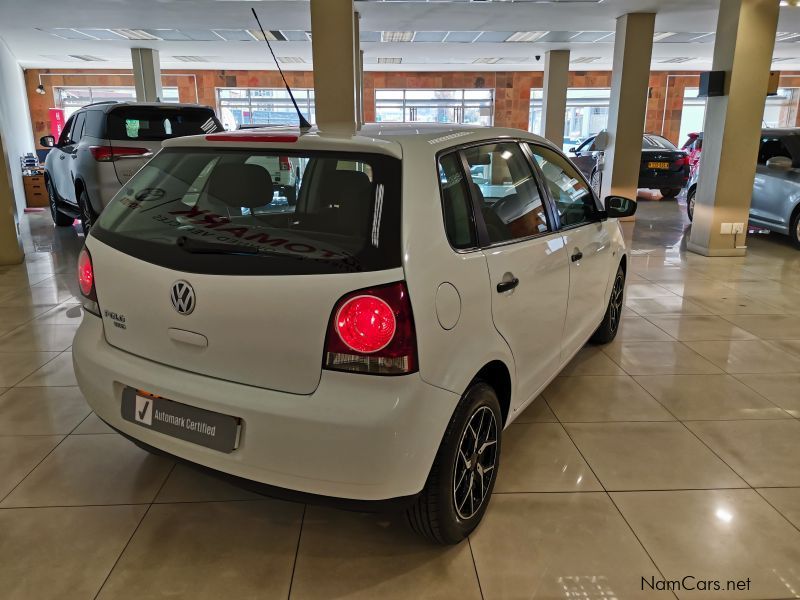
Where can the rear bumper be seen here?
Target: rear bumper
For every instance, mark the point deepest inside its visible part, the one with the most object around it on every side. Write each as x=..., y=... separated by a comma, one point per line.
x=661, y=181
x=357, y=437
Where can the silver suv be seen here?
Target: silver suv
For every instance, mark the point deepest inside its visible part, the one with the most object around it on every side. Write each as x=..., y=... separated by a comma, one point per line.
x=103, y=145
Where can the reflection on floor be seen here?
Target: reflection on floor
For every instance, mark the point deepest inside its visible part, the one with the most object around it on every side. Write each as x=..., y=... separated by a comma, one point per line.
x=673, y=452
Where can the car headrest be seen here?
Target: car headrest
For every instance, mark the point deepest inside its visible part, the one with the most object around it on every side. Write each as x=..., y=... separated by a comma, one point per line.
x=350, y=187
x=241, y=185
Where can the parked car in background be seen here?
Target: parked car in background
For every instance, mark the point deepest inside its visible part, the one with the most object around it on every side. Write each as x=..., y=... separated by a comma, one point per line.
x=775, y=204
x=663, y=166
x=693, y=146
x=370, y=346
x=102, y=145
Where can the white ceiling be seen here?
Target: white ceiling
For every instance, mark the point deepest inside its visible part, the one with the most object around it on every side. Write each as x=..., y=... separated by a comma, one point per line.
x=35, y=32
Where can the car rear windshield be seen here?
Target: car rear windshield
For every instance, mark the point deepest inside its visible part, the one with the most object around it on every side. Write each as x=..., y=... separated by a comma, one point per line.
x=256, y=212
x=656, y=142
x=153, y=123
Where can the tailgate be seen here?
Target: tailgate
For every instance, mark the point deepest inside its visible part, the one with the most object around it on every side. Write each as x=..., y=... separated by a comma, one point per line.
x=262, y=331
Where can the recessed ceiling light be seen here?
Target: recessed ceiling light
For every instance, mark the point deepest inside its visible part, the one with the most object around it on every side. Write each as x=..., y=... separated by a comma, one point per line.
x=397, y=36
x=291, y=59
x=135, y=34
x=383, y=60
x=662, y=35
x=526, y=36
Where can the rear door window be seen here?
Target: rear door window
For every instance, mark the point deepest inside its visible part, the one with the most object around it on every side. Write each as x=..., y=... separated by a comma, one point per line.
x=222, y=211
x=503, y=182
x=456, y=203
x=148, y=123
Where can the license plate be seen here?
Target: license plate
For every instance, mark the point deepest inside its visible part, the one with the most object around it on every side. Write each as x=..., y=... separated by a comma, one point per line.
x=658, y=165
x=197, y=425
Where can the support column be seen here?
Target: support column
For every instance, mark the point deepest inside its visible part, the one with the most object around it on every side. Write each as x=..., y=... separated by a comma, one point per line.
x=633, y=47
x=334, y=50
x=147, y=74
x=743, y=49
x=358, y=55
x=10, y=248
x=554, y=92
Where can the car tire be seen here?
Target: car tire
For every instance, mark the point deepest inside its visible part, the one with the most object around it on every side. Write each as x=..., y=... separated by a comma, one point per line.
x=690, y=195
x=610, y=324
x=794, y=229
x=670, y=192
x=59, y=218
x=88, y=214
x=451, y=504
x=594, y=181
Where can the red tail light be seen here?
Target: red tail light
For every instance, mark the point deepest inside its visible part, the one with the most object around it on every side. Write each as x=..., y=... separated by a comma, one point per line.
x=683, y=161
x=112, y=153
x=372, y=331
x=86, y=275
x=285, y=164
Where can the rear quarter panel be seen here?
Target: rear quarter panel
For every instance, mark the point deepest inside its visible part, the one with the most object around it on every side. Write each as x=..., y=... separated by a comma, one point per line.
x=449, y=358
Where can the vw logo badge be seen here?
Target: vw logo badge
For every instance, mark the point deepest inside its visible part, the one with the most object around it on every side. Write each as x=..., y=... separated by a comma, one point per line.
x=182, y=297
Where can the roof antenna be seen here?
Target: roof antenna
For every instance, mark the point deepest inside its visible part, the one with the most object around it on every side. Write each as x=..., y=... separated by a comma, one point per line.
x=304, y=124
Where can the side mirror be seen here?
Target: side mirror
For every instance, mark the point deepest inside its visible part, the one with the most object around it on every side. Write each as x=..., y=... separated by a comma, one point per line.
x=782, y=163
x=573, y=150
x=48, y=141
x=618, y=207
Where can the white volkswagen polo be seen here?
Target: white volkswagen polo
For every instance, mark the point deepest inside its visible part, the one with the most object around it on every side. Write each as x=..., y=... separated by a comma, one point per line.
x=368, y=343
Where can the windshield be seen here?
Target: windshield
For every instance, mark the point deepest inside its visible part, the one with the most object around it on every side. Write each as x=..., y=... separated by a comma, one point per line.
x=256, y=212
x=149, y=123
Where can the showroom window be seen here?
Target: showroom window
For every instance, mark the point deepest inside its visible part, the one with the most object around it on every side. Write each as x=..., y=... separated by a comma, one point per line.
x=587, y=113
x=474, y=107
x=71, y=99
x=779, y=110
x=263, y=106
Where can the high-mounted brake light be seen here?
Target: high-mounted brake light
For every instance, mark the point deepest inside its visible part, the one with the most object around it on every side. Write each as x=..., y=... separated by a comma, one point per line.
x=112, y=153
x=372, y=331
x=235, y=136
x=86, y=282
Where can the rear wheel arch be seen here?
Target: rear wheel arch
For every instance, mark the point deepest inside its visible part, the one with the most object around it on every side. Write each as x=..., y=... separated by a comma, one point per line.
x=497, y=375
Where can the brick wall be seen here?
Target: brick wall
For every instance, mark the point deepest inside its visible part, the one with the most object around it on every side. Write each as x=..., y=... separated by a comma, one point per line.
x=511, y=89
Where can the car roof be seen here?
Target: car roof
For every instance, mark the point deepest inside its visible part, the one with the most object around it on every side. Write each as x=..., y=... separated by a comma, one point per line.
x=385, y=138
x=110, y=105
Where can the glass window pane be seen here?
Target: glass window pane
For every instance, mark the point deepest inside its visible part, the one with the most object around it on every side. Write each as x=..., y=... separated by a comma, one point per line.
x=456, y=203
x=509, y=197
x=574, y=201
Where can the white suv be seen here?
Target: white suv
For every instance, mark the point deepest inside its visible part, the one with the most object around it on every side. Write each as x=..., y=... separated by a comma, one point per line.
x=367, y=344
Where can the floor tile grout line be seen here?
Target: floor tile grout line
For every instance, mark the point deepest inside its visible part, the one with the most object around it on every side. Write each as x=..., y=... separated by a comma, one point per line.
x=638, y=539
x=602, y=485
x=297, y=551
x=133, y=533
x=53, y=449
x=776, y=509
x=57, y=354
x=755, y=391
x=475, y=566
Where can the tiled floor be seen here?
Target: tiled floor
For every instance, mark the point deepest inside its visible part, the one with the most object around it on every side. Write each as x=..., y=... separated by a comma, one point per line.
x=672, y=452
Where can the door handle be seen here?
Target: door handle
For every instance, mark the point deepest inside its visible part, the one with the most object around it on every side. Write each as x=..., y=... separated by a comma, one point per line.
x=577, y=256
x=507, y=286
